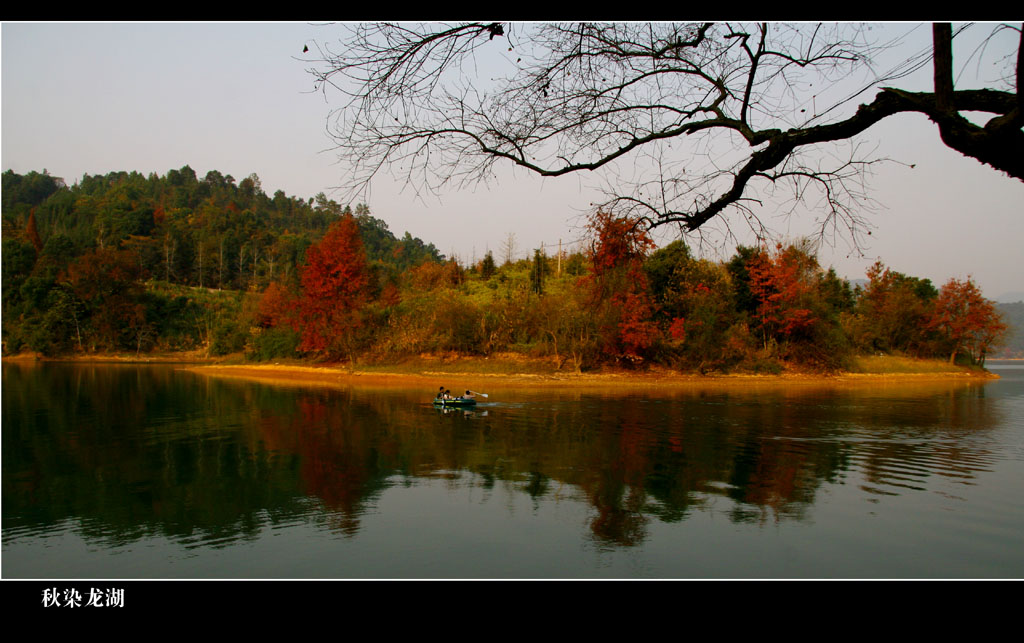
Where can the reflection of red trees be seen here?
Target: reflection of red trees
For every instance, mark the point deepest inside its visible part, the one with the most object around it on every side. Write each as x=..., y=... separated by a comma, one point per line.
x=775, y=481
x=334, y=462
x=335, y=453
x=618, y=493
x=631, y=471
x=775, y=474
x=619, y=522
x=635, y=442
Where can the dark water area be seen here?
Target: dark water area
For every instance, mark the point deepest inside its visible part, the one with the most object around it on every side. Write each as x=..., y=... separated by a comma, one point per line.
x=113, y=471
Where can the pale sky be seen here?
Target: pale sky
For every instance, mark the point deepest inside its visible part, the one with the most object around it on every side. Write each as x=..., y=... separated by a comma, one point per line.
x=88, y=98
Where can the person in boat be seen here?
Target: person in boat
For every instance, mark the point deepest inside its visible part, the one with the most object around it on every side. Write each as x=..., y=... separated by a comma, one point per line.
x=440, y=394
x=468, y=395
x=447, y=394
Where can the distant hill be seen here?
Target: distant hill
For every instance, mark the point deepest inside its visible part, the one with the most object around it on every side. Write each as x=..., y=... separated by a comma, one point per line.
x=1013, y=315
x=1010, y=297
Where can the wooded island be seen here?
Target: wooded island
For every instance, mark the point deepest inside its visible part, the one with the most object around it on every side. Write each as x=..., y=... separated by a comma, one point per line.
x=154, y=264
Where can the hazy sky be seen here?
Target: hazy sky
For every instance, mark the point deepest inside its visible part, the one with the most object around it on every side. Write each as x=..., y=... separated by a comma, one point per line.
x=94, y=98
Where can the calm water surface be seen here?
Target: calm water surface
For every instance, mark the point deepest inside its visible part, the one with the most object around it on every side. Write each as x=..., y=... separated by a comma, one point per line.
x=157, y=472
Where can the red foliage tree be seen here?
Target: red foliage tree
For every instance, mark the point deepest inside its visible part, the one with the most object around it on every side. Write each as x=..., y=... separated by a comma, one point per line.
x=617, y=242
x=780, y=285
x=968, y=321
x=618, y=285
x=106, y=281
x=334, y=283
x=894, y=311
x=677, y=330
x=636, y=330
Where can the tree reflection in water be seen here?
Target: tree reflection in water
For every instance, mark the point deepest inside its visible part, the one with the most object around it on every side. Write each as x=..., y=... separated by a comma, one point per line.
x=143, y=451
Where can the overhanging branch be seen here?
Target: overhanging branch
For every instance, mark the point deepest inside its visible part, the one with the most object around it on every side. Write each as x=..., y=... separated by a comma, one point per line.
x=581, y=98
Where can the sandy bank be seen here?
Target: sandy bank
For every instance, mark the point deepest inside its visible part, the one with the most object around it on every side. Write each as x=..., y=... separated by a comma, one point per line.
x=519, y=372
x=456, y=380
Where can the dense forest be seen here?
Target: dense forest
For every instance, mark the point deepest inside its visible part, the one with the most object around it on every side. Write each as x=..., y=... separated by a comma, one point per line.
x=129, y=262
x=126, y=262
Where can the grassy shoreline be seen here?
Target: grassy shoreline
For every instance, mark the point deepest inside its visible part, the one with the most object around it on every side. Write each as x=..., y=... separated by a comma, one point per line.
x=525, y=372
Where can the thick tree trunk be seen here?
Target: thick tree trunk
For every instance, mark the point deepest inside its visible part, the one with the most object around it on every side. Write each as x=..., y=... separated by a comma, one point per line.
x=1000, y=143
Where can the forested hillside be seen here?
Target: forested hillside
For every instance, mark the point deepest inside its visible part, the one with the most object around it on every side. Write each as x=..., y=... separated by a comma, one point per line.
x=148, y=259
x=126, y=262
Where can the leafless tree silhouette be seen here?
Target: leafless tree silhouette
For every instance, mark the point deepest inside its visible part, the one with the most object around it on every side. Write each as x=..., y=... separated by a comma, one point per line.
x=684, y=121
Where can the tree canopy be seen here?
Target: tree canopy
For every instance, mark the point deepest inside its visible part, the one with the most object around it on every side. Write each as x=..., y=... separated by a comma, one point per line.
x=688, y=121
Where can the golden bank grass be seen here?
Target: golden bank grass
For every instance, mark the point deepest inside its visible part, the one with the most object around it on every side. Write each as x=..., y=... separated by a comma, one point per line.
x=888, y=364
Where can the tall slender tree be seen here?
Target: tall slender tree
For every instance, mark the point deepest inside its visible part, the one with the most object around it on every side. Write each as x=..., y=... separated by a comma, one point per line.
x=334, y=283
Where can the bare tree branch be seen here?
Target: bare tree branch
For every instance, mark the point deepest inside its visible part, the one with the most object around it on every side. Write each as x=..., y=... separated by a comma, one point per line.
x=730, y=101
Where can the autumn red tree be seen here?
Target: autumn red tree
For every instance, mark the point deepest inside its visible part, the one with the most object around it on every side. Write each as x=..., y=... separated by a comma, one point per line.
x=893, y=311
x=781, y=284
x=106, y=282
x=968, y=321
x=334, y=289
x=617, y=243
x=618, y=286
x=276, y=307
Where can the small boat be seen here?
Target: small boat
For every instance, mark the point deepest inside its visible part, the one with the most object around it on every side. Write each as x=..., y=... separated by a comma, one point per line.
x=455, y=401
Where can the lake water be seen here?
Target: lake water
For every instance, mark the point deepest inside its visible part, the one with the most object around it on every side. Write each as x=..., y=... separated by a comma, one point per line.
x=119, y=472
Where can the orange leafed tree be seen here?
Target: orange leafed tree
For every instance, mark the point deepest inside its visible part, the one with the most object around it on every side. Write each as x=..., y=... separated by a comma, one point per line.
x=334, y=285
x=968, y=321
x=277, y=307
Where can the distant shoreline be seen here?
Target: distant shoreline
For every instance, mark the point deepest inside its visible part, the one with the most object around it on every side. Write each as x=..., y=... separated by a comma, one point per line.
x=187, y=357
